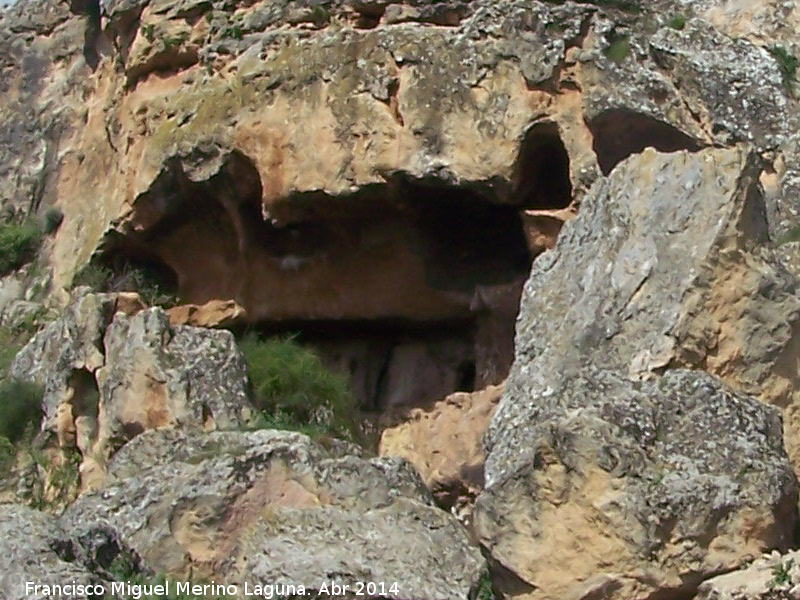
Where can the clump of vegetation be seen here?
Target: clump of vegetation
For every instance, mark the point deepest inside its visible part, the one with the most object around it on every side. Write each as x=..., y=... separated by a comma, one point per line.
x=484, y=590
x=127, y=278
x=787, y=63
x=294, y=390
x=125, y=568
x=20, y=409
x=149, y=32
x=792, y=235
x=234, y=32
x=781, y=574
x=618, y=49
x=170, y=42
x=677, y=22
x=53, y=476
x=18, y=244
x=320, y=15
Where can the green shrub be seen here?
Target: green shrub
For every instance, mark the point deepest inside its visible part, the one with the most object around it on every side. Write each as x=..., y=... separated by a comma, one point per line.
x=8, y=456
x=234, y=32
x=781, y=574
x=20, y=409
x=787, y=63
x=677, y=22
x=618, y=49
x=484, y=589
x=128, y=278
x=294, y=390
x=18, y=245
x=53, y=478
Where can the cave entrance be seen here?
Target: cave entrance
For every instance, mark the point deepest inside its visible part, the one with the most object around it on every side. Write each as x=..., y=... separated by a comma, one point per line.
x=409, y=287
x=620, y=133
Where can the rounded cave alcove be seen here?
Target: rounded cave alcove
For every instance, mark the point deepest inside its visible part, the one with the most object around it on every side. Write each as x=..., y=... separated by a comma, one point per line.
x=410, y=287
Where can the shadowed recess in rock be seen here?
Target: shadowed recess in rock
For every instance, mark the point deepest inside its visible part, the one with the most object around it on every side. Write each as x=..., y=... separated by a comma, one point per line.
x=541, y=175
x=410, y=287
x=620, y=133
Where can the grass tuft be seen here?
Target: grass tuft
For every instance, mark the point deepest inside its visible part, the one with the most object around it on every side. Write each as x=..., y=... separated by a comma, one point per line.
x=787, y=64
x=294, y=390
x=677, y=22
x=18, y=245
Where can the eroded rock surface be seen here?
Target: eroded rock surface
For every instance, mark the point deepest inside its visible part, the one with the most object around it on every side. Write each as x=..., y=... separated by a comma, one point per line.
x=772, y=577
x=34, y=548
x=319, y=102
x=274, y=507
x=667, y=265
x=112, y=369
x=444, y=443
x=631, y=489
x=608, y=471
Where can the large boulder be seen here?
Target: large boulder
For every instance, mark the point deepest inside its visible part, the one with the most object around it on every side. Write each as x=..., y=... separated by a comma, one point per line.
x=444, y=443
x=35, y=549
x=609, y=469
x=622, y=489
x=112, y=369
x=667, y=265
x=270, y=507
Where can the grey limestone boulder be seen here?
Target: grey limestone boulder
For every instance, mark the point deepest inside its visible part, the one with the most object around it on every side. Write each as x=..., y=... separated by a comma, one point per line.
x=112, y=369
x=269, y=507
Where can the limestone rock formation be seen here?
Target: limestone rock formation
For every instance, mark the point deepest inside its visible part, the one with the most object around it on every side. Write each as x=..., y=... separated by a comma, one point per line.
x=283, y=110
x=215, y=313
x=667, y=265
x=112, y=369
x=381, y=176
x=34, y=548
x=274, y=507
x=599, y=483
x=772, y=577
x=444, y=443
x=624, y=489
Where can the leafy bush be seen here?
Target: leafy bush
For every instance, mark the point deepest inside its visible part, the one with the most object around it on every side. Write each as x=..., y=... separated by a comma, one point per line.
x=8, y=456
x=52, y=220
x=296, y=391
x=18, y=245
x=484, y=589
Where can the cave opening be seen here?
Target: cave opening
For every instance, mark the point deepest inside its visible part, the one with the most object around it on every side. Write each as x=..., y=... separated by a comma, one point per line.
x=409, y=287
x=541, y=174
x=619, y=133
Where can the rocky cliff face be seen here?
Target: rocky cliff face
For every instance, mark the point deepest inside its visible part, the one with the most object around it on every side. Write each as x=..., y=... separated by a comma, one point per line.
x=596, y=201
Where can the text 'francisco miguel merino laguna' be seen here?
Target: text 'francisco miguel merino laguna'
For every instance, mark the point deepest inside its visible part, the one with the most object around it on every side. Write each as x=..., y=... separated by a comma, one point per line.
x=135, y=591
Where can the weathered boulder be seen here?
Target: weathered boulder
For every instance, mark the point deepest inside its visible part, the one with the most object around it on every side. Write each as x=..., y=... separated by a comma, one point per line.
x=34, y=548
x=275, y=507
x=110, y=374
x=622, y=489
x=667, y=265
x=444, y=443
x=214, y=313
x=600, y=483
x=772, y=577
